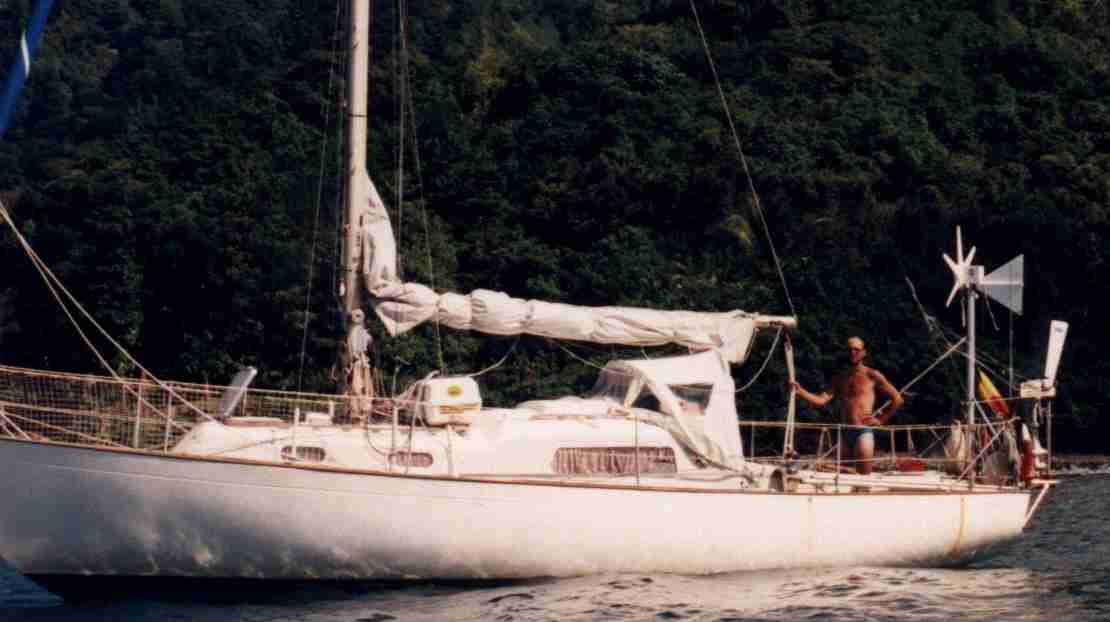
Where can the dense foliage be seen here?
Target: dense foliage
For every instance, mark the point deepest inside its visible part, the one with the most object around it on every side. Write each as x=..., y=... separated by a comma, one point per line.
x=177, y=164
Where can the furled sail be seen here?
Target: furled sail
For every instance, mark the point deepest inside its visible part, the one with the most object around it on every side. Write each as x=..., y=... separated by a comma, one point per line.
x=402, y=306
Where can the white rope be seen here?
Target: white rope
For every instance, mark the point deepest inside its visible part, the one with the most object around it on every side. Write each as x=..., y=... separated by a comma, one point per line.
x=767, y=359
x=498, y=363
x=588, y=363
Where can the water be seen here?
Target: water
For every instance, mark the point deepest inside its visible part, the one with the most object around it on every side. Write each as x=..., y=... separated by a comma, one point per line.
x=1060, y=570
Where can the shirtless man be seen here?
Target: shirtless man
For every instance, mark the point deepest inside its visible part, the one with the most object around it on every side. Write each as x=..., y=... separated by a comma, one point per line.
x=854, y=390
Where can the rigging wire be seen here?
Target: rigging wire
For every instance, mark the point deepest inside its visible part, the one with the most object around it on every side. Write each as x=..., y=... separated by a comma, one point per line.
x=984, y=361
x=57, y=289
x=400, y=64
x=339, y=205
x=743, y=159
x=319, y=202
x=411, y=117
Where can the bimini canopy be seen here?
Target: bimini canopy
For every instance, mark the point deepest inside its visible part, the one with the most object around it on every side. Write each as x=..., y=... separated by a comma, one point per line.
x=695, y=393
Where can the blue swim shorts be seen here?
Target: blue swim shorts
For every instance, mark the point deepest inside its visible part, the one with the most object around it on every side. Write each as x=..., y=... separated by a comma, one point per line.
x=851, y=435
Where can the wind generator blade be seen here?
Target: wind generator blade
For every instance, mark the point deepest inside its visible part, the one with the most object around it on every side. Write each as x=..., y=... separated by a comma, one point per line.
x=1057, y=333
x=1006, y=284
x=959, y=246
x=952, y=294
x=958, y=274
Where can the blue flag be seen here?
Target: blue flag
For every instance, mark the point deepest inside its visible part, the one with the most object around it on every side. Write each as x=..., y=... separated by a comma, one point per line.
x=21, y=68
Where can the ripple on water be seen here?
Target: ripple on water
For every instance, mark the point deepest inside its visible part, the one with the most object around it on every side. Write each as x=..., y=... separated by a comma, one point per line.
x=517, y=595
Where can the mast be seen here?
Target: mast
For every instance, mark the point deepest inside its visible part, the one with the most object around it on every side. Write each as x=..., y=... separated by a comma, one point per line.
x=356, y=190
x=975, y=277
x=356, y=379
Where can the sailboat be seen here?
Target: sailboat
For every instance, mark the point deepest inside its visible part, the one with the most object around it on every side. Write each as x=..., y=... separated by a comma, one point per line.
x=113, y=477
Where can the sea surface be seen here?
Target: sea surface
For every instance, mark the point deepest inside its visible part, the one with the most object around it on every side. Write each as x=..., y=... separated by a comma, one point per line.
x=1059, y=571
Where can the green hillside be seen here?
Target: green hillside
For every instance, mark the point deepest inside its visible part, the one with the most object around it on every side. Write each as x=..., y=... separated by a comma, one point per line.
x=178, y=165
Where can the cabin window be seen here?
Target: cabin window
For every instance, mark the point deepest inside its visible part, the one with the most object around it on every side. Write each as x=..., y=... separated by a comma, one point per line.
x=647, y=401
x=693, y=399
x=614, y=460
x=411, y=459
x=306, y=454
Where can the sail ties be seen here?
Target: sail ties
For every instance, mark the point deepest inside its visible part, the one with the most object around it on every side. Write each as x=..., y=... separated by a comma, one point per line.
x=403, y=306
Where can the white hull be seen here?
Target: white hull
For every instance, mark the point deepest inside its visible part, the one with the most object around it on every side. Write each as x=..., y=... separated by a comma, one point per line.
x=70, y=510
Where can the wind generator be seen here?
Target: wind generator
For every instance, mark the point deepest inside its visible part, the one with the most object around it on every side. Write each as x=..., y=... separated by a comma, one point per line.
x=1005, y=286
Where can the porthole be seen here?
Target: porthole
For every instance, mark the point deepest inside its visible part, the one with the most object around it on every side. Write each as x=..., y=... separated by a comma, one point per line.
x=304, y=454
x=411, y=459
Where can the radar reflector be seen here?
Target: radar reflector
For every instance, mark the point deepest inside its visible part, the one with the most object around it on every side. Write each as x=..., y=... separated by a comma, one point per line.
x=1005, y=285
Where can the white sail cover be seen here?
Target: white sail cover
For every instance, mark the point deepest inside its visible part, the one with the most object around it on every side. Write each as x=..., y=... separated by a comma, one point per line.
x=402, y=306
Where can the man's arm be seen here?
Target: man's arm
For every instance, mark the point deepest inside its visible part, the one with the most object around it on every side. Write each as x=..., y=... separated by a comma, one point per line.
x=817, y=399
x=896, y=401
